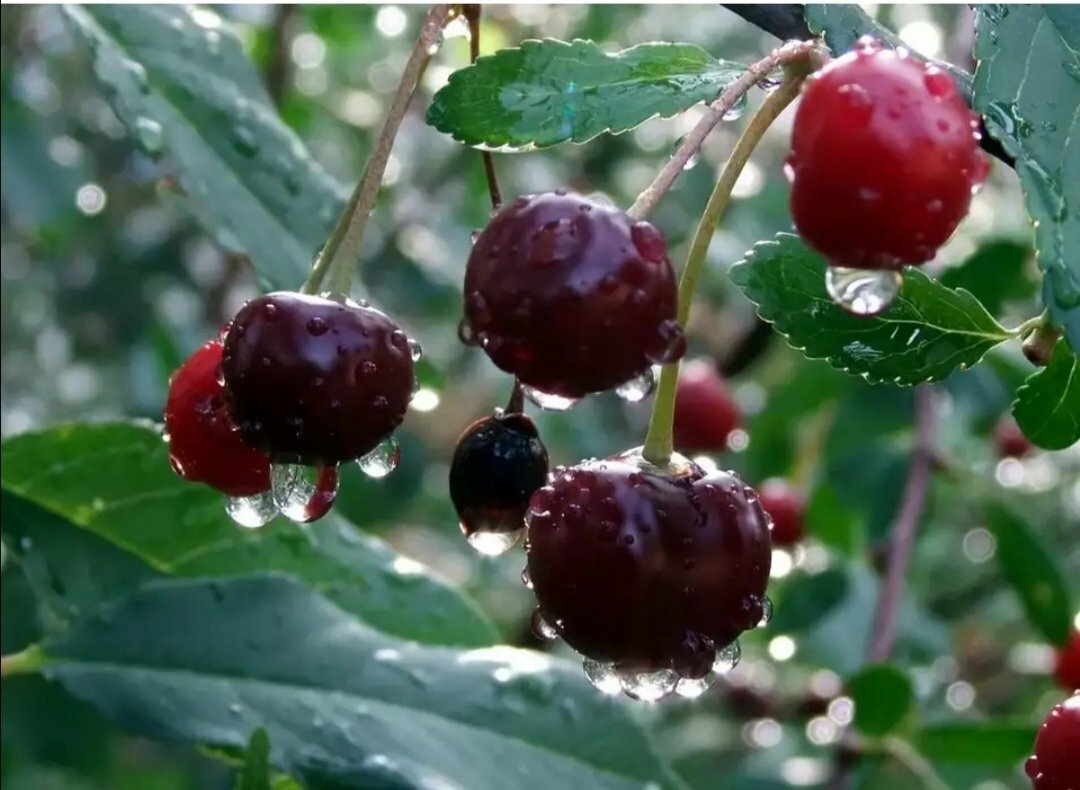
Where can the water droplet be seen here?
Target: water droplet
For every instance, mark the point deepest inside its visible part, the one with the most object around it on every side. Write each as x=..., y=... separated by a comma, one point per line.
x=670, y=343
x=604, y=677
x=549, y=400
x=150, y=135
x=475, y=236
x=251, y=512
x=433, y=47
x=541, y=628
x=415, y=350
x=863, y=292
x=727, y=658
x=736, y=111
x=637, y=388
x=492, y=544
x=648, y=241
x=317, y=326
x=695, y=157
x=649, y=686
x=692, y=688
x=465, y=332
x=244, y=141
x=383, y=460
x=939, y=84
x=303, y=493
x=766, y=612
x=526, y=579
x=769, y=84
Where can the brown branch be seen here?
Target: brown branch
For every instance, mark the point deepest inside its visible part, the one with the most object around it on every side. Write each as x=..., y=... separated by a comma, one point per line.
x=281, y=35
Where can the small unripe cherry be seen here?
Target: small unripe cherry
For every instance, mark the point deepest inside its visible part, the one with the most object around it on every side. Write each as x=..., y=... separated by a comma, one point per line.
x=786, y=505
x=705, y=411
x=1010, y=440
x=1067, y=663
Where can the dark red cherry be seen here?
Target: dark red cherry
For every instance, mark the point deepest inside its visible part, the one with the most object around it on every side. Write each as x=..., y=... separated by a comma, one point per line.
x=204, y=443
x=647, y=570
x=571, y=295
x=1009, y=440
x=498, y=463
x=316, y=381
x=1054, y=764
x=1067, y=663
x=705, y=412
x=786, y=505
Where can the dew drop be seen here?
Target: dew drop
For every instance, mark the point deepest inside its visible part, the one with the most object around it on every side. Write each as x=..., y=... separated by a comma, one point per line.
x=695, y=157
x=415, y=350
x=150, y=135
x=244, y=142
x=475, y=236
x=303, y=493
x=317, y=326
x=863, y=292
x=769, y=84
x=736, y=111
x=649, y=686
x=727, y=658
x=692, y=688
x=526, y=579
x=670, y=344
x=251, y=512
x=383, y=460
x=604, y=677
x=541, y=628
x=466, y=334
x=548, y=400
x=766, y=612
x=492, y=544
x=637, y=388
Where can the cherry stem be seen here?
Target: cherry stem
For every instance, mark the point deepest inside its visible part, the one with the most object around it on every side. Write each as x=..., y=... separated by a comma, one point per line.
x=336, y=262
x=790, y=52
x=516, y=404
x=472, y=16
x=658, y=439
x=29, y=659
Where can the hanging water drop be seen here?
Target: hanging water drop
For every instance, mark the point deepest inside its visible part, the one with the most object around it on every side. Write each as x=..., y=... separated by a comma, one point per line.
x=695, y=157
x=692, y=688
x=526, y=579
x=541, y=628
x=244, y=141
x=766, y=612
x=649, y=686
x=862, y=292
x=604, y=677
x=492, y=544
x=475, y=235
x=303, y=493
x=549, y=400
x=251, y=512
x=383, y=460
x=465, y=332
x=736, y=110
x=415, y=350
x=727, y=658
x=150, y=135
x=638, y=388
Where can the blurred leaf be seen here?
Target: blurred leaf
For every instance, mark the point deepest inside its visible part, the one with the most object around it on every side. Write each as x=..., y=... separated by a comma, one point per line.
x=187, y=91
x=883, y=696
x=113, y=480
x=994, y=274
x=928, y=332
x=807, y=598
x=548, y=92
x=1027, y=87
x=209, y=661
x=832, y=522
x=997, y=742
x=1034, y=573
x=1047, y=406
x=255, y=773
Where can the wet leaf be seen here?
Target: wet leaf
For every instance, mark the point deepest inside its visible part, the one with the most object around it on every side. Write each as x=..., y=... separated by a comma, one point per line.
x=994, y=274
x=1047, y=405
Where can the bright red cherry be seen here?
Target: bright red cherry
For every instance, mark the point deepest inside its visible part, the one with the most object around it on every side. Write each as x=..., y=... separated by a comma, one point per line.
x=705, y=412
x=1055, y=764
x=884, y=159
x=204, y=443
x=1010, y=440
x=571, y=295
x=786, y=505
x=1067, y=663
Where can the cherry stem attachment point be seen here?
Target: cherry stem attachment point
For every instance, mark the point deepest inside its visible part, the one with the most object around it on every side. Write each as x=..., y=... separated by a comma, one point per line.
x=336, y=262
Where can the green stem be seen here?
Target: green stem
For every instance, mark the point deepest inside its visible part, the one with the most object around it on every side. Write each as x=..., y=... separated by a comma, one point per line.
x=336, y=263
x=919, y=767
x=658, y=440
x=27, y=660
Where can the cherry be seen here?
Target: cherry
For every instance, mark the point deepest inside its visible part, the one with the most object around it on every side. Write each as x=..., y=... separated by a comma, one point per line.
x=1054, y=764
x=498, y=463
x=786, y=505
x=884, y=158
x=316, y=381
x=1067, y=663
x=1009, y=440
x=204, y=443
x=705, y=413
x=571, y=295
x=646, y=572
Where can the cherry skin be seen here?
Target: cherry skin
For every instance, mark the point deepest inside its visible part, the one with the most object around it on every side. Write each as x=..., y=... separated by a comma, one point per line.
x=884, y=158
x=315, y=381
x=1067, y=663
x=1009, y=440
x=571, y=295
x=705, y=412
x=786, y=505
x=1054, y=764
x=204, y=443
x=498, y=463
x=645, y=569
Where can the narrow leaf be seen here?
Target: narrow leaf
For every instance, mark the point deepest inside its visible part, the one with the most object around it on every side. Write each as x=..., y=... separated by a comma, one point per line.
x=989, y=743
x=255, y=774
x=1047, y=405
x=883, y=696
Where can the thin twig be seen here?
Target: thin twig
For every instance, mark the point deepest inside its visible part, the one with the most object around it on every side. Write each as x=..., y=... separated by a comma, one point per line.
x=728, y=98
x=281, y=33
x=472, y=16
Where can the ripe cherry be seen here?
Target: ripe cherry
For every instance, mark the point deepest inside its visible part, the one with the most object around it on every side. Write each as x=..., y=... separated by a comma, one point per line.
x=1009, y=440
x=204, y=443
x=1054, y=764
x=316, y=381
x=786, y=505
x=1067, y=663
x=498, y=463
x=650, y=574
x=705, y=412
x=571, y=295
x=884, y=159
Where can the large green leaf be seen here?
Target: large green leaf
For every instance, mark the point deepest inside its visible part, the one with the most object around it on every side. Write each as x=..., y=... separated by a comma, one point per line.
x=994, y=743
x=548, y=92
x=113, y=480
x=1047, y=406
x=181, y=83
x=209, y=661
x=1027, y=87
x=1034, y=573
x=994, y=274
x=928, y=332
x=883, y=696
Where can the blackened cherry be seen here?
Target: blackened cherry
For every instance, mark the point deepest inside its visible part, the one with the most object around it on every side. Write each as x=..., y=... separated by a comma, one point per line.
x=650, y=574
x=1054, y=764
x=316, y=381
x=1067, y=663
x=571, y=295
x=204, y=444
x=786, y=506
x=498, y=463
x=1009, y=440
x=705, y=412
x=884, y=159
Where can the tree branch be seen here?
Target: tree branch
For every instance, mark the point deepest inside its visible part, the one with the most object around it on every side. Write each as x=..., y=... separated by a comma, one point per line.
x=281, y=34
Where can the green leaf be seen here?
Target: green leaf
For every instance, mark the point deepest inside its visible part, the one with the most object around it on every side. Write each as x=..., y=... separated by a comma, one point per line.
x=832, y=522
x=991, y=743
x=928, y=332
x=255, y=774
x=548, y=92
x=1027, y=87
x=883, y=696
x=808, y=598
x=994, y=274
x=208, y=661
x=185, y=90
x=113, y=480
x=1047, y=406
x=1034, y=573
